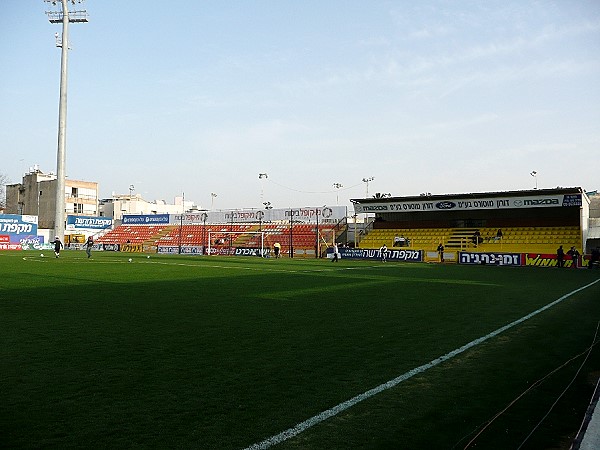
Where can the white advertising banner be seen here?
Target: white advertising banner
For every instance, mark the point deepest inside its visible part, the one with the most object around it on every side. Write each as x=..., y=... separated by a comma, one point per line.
x=487, y=203
x=322, y=214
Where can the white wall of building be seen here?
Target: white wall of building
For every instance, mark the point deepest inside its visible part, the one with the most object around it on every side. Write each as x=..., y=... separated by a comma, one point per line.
x=121, y=205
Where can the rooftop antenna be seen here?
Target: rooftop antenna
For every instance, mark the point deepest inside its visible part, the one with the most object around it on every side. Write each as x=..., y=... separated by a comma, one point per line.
x=62, y=15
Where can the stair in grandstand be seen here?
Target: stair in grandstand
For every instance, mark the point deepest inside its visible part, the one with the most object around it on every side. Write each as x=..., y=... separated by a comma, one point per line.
x=152, y=240
x=242, y=240
x=461, y=238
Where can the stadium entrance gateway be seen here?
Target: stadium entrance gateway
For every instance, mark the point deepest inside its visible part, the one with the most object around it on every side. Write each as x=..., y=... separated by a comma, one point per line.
x=503, y=228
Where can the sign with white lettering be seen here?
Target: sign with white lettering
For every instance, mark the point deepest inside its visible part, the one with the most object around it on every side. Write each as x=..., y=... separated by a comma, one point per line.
x=16, y=229
x=87, y=222
x=391, y=255
x=486, y=203
x=498, y=259
x=320, y=214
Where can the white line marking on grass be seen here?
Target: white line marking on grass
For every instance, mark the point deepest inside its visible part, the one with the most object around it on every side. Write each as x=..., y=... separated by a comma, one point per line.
x=321, y=417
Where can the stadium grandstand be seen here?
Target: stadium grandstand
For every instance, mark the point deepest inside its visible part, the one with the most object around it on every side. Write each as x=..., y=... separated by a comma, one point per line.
x=514, y=222
x=300, y=232
x=472, y=228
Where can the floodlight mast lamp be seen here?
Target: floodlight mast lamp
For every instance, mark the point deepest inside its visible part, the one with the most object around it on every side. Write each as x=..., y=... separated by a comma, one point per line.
x=534, y=175
x=63, y=16
x=367, y=181
x=262, y=190
x=337, y=186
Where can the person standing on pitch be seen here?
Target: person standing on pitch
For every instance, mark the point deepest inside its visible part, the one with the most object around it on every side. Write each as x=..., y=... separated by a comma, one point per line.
x=335, y=253
x=560, y=257
x=88, y=246
x=383, y=253
x=57, y=246
x=277, y=249
x=440, y=251
x=574, y=256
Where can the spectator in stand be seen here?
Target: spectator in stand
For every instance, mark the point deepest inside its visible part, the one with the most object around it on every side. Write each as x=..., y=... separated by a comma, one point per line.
x=498, y=235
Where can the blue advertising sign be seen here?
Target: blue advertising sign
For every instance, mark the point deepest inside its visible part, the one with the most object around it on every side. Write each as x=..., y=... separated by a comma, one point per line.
x=146, y=219
x=18, y=227
x=572, y=200
x=34, y=243
x=88, y=222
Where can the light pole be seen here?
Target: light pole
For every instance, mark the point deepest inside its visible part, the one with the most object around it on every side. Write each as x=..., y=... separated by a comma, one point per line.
x=181, y=220
x=367, y=181
x=317, y=243
x=63, y=16
x=291, y=233
x=337, y=186
x=262, y=176
x=131, y=190
x=354, y=216
x=204, y=217
x=212, y=200
x=534, y=175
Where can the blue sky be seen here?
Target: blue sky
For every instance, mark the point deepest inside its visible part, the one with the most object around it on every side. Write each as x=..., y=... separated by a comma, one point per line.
x=200, y=97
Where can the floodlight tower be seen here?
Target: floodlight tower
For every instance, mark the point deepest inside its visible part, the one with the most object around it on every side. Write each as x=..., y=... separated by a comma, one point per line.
x=62, y=15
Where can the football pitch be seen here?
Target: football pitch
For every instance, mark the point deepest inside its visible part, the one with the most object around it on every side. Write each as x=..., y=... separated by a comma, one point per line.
x=236, y=353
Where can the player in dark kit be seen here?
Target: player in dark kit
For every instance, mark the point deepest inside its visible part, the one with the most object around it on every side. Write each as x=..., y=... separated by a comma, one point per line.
x=57, y=246
x=88, y=246
x=560, y=257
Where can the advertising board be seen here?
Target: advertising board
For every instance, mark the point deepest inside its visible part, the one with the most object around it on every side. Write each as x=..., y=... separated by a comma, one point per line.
x=392, y=255
x=480, y=203
x=498, y=259
x=17, y=229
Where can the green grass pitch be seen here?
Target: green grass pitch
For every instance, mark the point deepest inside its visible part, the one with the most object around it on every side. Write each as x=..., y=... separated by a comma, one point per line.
x=224, y=352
